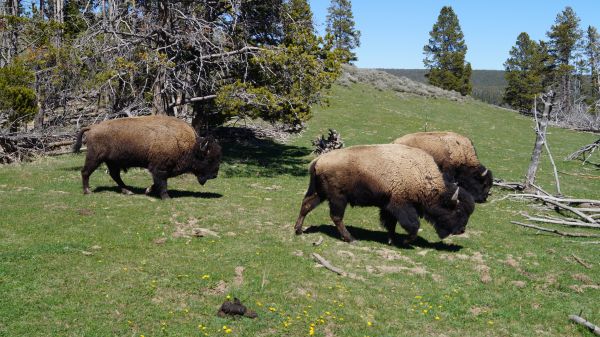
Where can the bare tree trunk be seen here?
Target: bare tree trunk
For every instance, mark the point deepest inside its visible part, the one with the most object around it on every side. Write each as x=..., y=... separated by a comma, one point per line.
x=540, y=131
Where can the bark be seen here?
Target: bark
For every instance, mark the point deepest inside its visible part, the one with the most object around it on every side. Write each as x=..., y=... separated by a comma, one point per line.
x=540, y=132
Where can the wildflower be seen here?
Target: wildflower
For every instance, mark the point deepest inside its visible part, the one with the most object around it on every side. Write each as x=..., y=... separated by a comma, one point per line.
x=491, y=322
x=228, y=297
x=272, y=309
x=259, y=303
x=437, y=318
x=205, y=277
x=228, y=331
x=418, y=297
x=369, y=323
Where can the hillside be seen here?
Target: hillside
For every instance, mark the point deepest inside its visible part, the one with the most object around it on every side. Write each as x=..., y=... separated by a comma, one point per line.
x=110, y=264
x=488, y=85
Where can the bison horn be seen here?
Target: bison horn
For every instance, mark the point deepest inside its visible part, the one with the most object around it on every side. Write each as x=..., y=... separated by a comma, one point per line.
x=484, y=173
x=455, y=195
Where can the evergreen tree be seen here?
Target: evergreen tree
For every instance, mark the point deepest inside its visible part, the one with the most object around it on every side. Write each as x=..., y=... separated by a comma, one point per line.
x=340, y=26
x=525, y=72
x=564, y=38
x=592, y=51
x=445, y=54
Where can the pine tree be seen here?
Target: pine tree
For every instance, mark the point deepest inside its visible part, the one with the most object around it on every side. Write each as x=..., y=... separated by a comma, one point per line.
x=445, y=54
x=592, y=51
x=564, y=38
x=526, y=73
x=340, y=26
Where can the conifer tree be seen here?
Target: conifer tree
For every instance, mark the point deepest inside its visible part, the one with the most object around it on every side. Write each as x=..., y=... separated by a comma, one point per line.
x=526, y=73
x=340, y=26
x=445, y=54
x=592, y=51
x=564, y=37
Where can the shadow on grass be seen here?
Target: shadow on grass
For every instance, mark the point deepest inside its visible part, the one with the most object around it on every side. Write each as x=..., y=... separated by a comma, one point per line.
x=263, y=157
x=172, y=193
x=381, y=237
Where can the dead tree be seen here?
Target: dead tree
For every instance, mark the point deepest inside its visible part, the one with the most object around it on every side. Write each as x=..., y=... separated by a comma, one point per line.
x=541, y=126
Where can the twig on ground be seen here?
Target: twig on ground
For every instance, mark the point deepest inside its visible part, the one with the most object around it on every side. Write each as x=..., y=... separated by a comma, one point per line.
x=555, y=231
x=328, y=265
x=593, y=328
x=581, y=262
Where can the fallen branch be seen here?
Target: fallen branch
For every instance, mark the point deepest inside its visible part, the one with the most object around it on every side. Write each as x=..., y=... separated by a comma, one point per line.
x=593, y=328
x=567, y=222
x=581, y=262
x=328, y=265
x=515, y=186
x=555, y=231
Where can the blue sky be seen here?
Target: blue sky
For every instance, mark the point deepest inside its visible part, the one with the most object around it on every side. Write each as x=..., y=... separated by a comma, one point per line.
x=394, y=32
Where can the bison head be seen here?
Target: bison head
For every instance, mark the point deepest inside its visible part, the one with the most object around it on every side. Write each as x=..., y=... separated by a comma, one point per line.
x=476, y=180
x=208, y=158
x=451, y=212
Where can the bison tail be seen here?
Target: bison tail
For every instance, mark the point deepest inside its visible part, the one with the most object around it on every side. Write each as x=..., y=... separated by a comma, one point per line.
x=312, y=185
x=79, y=141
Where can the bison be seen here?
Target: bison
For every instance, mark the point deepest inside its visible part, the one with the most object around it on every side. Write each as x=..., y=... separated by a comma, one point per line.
x=456, y=157
x=166, y=146
x=404, y=182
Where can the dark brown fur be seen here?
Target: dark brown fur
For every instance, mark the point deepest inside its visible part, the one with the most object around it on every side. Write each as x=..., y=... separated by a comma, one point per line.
x=166, y=146
x=456, y=157
x=404, y=182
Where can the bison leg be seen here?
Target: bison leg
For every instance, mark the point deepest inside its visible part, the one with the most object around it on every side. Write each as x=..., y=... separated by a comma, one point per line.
x=408, y=218
x=115, y=173
x=308, y=204
x=91, y=164
x=160, y=184
x=389, y=221
x=336, y=212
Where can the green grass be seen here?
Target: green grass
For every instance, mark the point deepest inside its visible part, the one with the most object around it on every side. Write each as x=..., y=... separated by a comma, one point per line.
x=75, y=265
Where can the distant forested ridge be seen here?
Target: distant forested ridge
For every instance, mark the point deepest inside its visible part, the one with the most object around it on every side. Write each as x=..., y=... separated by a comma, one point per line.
x=488, y=85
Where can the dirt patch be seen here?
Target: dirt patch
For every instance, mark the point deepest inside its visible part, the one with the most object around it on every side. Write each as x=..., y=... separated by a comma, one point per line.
x=382, y=270
x=85, y=212
x=392, y=255
x=218, y=289
x=583, y=287
x=476, y=311
x=583, y=278
x=239, y=276
x=484, y=273
x=510, y=261
x=297, y=253
x=190, y=229
x=160, y=241
x=519, y=284
x=345, y=253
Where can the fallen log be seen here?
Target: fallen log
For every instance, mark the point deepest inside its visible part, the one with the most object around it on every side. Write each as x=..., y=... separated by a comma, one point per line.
x=555, y=231
x=579, y=320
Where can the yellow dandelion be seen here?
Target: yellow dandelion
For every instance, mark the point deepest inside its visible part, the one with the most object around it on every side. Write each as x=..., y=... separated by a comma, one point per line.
x=425, y=311
x=369, y=323
x=491, y=322
x=259, y=303
x=437, y=318
x=272, y=309
x=418, y=297
x=205, y=277
x=228, y=331
x=228, y=297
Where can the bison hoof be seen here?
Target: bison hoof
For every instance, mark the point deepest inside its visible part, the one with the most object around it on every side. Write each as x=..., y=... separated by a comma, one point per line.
x=126, y=191
x=299, y=231
x=348, y=239
x=86, y=191
x=165, y=196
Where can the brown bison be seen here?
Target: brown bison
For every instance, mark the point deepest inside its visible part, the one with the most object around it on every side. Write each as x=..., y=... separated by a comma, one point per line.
x=166, y=146
x=456, y=157
x=404, y=182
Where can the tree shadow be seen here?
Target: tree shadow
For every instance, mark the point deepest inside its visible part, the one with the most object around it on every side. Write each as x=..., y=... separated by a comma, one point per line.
x=249, y=156
x=381, y=237
x=172, y=193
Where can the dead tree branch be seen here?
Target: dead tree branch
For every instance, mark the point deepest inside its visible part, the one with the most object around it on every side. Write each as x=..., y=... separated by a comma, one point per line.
x=328, y=265
x=555, y=231
x=593, y=328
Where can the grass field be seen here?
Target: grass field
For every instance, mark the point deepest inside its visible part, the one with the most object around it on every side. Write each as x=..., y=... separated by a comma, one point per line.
x=109, y=264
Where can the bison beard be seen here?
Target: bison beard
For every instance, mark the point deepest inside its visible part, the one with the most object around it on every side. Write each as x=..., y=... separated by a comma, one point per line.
x=166, y=146
x=405, y=183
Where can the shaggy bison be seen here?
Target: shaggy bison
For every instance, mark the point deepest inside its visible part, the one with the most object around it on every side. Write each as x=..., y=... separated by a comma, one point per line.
x=166, y=146
x=404, y=182
x=456, y=157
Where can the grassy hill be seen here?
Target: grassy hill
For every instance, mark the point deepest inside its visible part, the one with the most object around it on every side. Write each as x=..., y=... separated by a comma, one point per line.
x=110, y=264
x=488, y=85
